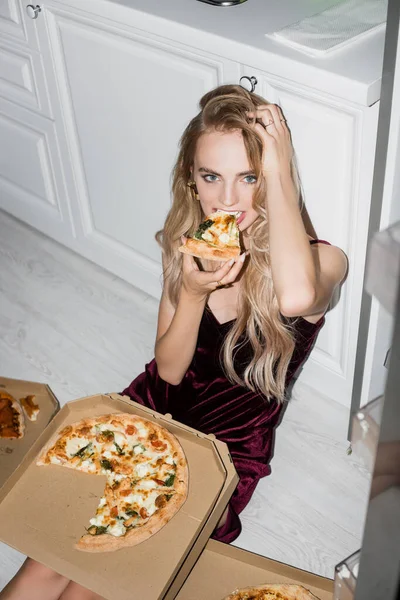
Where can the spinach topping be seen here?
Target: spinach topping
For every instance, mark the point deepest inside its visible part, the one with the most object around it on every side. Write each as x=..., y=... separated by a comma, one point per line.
x=106, y=464
x=131, y=513
x=119, y=449
x=202, y=228
x=97, y=530
x=170, y=480
x=141, y=446
x=109, y=435
x=82, y=451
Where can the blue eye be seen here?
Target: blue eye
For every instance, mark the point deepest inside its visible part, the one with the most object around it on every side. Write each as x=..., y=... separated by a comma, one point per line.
x=206, y=178
x=253, y=179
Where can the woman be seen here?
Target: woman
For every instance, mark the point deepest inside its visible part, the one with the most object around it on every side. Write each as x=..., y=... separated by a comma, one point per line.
x=229, y=338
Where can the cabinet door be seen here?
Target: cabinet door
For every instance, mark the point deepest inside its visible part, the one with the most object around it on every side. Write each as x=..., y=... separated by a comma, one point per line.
x=124, y=100
x=334, y=145
x=31, y=180
x=12, y=24
x=22, y=80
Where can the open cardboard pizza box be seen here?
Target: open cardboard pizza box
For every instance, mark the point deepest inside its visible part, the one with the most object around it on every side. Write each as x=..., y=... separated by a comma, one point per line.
x=44, y=511
x=12, y=451
x=221, y=569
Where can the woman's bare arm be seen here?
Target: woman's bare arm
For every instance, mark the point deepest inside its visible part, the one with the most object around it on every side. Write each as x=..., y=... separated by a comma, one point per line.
x=178, y=328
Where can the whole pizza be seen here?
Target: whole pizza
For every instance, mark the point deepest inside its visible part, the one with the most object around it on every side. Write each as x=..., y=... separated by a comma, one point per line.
x=272, y=592
x=146, y=471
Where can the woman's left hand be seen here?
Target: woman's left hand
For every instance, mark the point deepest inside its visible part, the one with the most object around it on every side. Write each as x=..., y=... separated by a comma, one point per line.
x=278, y=149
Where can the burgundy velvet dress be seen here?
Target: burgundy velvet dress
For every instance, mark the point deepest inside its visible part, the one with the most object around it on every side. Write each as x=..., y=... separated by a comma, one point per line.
x=207, y=401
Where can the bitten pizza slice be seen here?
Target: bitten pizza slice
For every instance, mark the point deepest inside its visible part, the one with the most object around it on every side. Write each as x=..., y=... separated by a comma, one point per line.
x=12, y=423
x=129, y=515
x=217, y=238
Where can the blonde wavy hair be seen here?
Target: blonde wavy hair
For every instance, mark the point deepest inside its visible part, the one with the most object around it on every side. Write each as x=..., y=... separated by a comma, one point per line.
x=259, y=321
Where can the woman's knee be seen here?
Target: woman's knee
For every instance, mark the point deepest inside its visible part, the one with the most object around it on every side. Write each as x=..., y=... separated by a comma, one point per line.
x=37, y=571
x=74, y=591
x=34, y=581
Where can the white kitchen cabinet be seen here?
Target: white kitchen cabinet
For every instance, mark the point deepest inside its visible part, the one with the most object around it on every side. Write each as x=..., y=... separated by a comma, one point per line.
x=22, y=77
x=31, y=179
x=123, y=100
x=13, y=26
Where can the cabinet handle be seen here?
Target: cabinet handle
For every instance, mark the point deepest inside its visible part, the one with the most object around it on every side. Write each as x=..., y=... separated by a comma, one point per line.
x=33, y=11
x=249, y=83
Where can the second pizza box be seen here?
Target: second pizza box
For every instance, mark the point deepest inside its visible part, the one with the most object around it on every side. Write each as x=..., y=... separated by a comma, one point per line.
x=44, y=510
x=12, y=451
x=221, y=569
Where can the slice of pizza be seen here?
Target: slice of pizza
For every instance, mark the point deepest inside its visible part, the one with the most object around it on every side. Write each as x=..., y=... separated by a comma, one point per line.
x=272, y=592
x=217, y=238
x=130, y=512
x=30, y=407
x=12, y=423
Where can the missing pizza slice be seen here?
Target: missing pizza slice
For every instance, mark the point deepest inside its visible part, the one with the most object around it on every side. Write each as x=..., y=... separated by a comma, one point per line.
x=217, y=238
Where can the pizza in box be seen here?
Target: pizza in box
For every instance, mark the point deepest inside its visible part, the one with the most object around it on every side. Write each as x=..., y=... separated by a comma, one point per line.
x=146, y=476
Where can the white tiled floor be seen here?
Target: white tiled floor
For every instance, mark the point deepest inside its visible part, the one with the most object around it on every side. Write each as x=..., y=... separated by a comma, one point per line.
x=69, y=323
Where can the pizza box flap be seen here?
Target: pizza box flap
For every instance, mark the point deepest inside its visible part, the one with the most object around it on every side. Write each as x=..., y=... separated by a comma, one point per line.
x=12, y=452
x=61, y=502
x=222, y=568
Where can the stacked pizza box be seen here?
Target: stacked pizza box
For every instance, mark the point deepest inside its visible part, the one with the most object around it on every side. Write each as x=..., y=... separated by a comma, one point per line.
x=174, y=557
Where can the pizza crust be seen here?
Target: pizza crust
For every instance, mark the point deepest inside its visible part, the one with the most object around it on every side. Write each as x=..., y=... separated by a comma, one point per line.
x=30, y=407
x=107, y=542
x=201, y=249
x=277, y=591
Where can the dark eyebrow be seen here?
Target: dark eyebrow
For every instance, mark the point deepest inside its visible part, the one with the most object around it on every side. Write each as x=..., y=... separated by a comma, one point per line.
x=212, y=172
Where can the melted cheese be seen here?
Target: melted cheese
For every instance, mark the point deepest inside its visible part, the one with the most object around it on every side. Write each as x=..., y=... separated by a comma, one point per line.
x=148, y=484
x=117, y=529
x=224, y=230
x=75, y=444
x=224, y=238
x=142, y=470
x=120, y=439
x=89, y=466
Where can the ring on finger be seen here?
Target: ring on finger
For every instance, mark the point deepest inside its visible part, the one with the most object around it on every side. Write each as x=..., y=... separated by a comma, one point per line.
x=219, y=284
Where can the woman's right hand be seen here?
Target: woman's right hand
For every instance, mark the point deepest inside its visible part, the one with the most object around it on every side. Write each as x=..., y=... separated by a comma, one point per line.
x=199, y=284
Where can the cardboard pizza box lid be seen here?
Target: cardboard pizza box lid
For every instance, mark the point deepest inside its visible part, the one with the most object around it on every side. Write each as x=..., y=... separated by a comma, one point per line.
x=61, y=501
x=221, y=569
x=12, y=452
